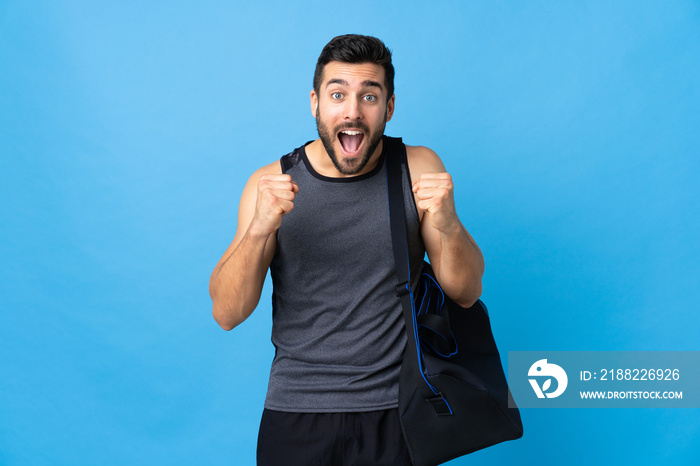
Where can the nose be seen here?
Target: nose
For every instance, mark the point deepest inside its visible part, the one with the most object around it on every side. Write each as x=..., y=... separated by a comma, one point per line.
x=353, y=111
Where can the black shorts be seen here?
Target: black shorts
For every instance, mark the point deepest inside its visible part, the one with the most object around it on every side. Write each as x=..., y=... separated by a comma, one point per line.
x=331, y=439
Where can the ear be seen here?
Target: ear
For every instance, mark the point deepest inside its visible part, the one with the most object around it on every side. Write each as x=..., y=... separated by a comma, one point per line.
x=314, y=103
x=390, y=108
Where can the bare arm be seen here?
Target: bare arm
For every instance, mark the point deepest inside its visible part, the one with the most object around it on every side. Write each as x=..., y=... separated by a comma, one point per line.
x=454, y=256
x=237, y=280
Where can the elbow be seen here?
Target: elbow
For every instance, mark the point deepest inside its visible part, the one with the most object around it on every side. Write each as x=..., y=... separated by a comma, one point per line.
x=223, y=318
x=473, y=292
x=229, y=312
x=467, y=303
x=467, y=290
x=471, y=297
x=225, y=325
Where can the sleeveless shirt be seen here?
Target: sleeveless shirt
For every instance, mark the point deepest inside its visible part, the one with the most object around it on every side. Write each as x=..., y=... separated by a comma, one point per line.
x=337, y=325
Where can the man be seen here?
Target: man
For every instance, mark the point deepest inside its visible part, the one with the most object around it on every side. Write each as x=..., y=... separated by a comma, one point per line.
x=319, y=221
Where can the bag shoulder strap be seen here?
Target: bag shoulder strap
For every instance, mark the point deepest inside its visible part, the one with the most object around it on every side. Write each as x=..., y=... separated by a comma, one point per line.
x=412, y=364
x=397, y=211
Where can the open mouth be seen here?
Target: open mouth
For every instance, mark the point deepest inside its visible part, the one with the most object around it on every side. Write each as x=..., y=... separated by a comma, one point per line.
x=351, y=141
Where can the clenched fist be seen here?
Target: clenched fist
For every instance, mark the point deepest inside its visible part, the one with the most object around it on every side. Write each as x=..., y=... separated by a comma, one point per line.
x=435, y=197
x=275, y=199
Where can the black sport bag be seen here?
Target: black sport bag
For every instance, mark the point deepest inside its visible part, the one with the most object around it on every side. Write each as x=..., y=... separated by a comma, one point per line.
x=453, y=394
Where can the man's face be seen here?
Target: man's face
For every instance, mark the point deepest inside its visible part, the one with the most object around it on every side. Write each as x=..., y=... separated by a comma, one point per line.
x=351, y=111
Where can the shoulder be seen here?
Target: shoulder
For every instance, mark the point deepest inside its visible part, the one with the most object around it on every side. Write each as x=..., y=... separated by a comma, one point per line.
x=421, y=160
x=274, y=168
x=251, y=186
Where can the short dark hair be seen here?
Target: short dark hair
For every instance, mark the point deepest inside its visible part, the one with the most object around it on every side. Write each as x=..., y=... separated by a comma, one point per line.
x=354, y=48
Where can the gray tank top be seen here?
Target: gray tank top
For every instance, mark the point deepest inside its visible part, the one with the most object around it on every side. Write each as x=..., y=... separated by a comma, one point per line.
x=338, y=327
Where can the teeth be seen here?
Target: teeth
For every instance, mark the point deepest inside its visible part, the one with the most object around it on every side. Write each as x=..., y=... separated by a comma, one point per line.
x=351, y=133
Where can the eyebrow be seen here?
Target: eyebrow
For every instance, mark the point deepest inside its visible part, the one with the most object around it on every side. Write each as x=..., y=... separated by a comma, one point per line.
x=342, y=82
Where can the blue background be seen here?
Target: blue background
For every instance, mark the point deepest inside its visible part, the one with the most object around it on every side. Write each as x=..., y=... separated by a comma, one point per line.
x=127, y=132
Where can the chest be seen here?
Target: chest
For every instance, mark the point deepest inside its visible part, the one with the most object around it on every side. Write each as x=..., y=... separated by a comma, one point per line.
x=338, y=222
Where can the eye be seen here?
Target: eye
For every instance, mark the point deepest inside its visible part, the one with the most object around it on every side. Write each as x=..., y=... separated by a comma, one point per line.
x=336, y=96
x=370, y=98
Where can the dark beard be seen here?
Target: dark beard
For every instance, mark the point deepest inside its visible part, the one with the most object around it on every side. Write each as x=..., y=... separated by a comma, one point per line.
x=351, y=166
